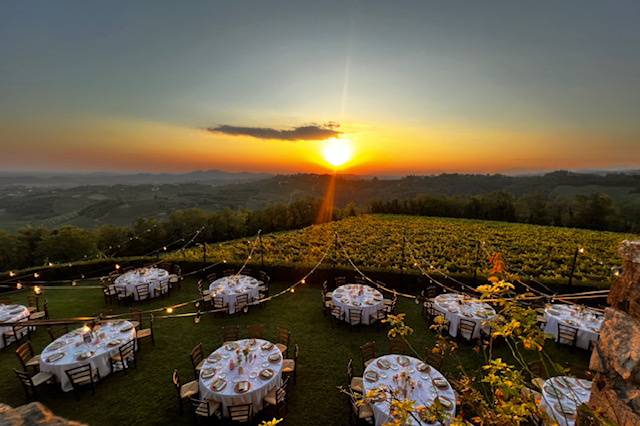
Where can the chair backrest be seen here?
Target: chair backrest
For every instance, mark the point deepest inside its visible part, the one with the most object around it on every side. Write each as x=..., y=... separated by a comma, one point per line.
x=567, y=334
x=218, y=302
x=175, y=379
x=136, y=315
x=283, y=336
x=242, y=300
x=230, y=333
x=264, y=277
x=26, y=381
x=197, y=355
x=296, y=352
x=24, y=353
x=19, y=330
x=212, y=277
x=350, y=370
x=128, y=350
x=336, y=311
x=240, y=413
x=281, y=393
x=430, y=292
x=256, y=331
x=201, y=407
x=466, y=328
x=228, y=272
x=33, y=301
x=80, y=375
x=325, y=287
x=355, y=316
x=368, y=351
x=340, y=281
x=121, y=291
x=142, y=290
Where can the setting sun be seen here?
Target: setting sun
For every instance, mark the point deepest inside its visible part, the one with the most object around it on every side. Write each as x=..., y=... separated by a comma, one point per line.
x=337, y=151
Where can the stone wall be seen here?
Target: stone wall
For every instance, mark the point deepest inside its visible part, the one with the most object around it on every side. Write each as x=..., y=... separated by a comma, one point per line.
x=615, y=394
x=33, y=414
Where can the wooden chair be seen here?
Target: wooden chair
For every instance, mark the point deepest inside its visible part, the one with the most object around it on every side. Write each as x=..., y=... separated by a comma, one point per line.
x=276, y=399
x=27, y=357
x=264, y=277
x=83, y=377
x=125, y=358
x=361, y=414
x=282, y=340
x=197, y=359
x=184, y=391
x=542, y=321
x=136, y=318
x=398, y=346
x=355, y=383
x=212, y=277
x=205, y=409
x=466, y=328
x=339, y=281
x=218, y=303
x=146, y=333
x=240, y=414
x=567, y=334
x=256, y=331
x=355, y=316
x=161, y=288
x=30, y=384
x=327, y=306
x=230, y=333
x=290, y=365
x=43, y=314
x=174, y=282
x=121, y=294
x=446, y=324
x=33, y=303
x=228, y=272
x=368, y=352
x=142, y=291
x=242, y=303
x=378, y=316
x=53, y=334
x=336, y=312
x=16, y=333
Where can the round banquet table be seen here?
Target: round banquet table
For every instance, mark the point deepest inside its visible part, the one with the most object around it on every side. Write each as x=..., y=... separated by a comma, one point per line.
x=458, y=306
x=561, y=395
x=107, y=338
x=155, y=277
x=425, y=386
x=587, y=321
x=358, y=296
x=223, y=370
x=232, y=286
x=11, y=313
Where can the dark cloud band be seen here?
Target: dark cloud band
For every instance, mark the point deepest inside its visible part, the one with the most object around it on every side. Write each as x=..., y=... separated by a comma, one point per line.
x=308, y=133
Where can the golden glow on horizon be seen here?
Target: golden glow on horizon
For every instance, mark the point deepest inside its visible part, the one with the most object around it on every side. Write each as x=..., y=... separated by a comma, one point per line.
x=337, y=152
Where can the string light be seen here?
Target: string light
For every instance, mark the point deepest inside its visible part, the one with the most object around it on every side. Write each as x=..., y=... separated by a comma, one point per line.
x=164, y=248
x=19, y=286
x=12, y=274
x=37, y=290
x=36, y=275
x=169, y=310
x=303, y=281
x=50, y=263
x=117, y=266
x=74, y=283
x=581, y=250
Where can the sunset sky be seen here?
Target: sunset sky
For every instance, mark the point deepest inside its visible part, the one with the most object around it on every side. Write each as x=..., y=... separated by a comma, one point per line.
x=415, y=86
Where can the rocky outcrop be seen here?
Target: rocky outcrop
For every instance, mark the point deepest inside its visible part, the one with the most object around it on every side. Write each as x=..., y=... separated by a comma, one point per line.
x=33, y=414
x=615, y=394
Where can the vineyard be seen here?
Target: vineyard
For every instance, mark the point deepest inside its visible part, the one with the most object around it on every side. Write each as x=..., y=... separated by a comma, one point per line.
x=453, y=246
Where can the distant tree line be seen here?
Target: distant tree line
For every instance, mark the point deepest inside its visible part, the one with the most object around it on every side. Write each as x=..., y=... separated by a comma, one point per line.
x=33, y=246
x=594, y=211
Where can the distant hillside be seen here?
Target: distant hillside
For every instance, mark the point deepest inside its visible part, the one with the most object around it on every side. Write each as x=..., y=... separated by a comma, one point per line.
x=121, y=199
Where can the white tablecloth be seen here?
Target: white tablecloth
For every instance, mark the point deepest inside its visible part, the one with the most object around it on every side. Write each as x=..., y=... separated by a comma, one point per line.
x=564, y=393
x=155, y=277
x=457, y=306
x=11, y=313
x=220, y=362
x=358, y=296
x=424, y=392
x=230, y=287
x=587, y=321
x=73, y=344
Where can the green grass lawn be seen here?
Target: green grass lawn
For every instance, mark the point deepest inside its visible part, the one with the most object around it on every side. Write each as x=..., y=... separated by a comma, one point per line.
x=146, y=395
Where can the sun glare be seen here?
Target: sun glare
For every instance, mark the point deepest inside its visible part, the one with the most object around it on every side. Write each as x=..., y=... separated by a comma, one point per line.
x=337, y=151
